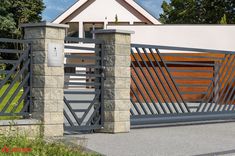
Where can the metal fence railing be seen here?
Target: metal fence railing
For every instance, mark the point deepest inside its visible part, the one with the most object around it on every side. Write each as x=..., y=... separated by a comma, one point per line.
x=181, y=83
x=15, y=78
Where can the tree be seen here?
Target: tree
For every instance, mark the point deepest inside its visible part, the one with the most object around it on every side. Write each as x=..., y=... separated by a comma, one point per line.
x=198, y=12
x=12, y=14
x=15, y=12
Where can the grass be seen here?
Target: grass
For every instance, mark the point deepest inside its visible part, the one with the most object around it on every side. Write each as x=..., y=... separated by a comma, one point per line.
x=21, y=145
x=13, y=103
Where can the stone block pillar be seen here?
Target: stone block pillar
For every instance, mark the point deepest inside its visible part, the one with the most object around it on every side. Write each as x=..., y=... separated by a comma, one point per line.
x=48, y=82
x=117, y=82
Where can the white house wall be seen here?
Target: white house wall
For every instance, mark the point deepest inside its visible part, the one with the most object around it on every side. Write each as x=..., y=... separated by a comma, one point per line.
x=97, y=12
x=196, y=36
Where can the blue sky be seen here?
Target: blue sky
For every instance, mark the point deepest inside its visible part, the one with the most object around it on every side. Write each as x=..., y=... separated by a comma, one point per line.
x=56, y=7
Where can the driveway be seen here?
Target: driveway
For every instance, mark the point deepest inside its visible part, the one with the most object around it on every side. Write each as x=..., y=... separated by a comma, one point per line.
x=206, y=139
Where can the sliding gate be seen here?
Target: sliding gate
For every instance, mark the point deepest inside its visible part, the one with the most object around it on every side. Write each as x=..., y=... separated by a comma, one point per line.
x=172, y=84
x=83, y=92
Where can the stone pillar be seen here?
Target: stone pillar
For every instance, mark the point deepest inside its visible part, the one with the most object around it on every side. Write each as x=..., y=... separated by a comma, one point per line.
x=117, y=82
x=48, y=82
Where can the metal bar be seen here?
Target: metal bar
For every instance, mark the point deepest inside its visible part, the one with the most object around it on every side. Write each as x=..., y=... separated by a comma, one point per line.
x=225, y=95
x=81, y=92
x=156, y=84
x=230, y=95
x=212, y=92
x=79, y=110
x=231, y=103
x=30, y=82
x=71, y=111
x=89, y=107
x=9, y=61
x=181, y=48
x=15, y=93
x=14, y=51
x=83, y=128
x=84, y=40
x=68, y=119
x=21, y=99
x=188, y=117
x=82, y=84
x=12, y=71
x=81, y=48
x=14, y=81
x=25, y=107
x=172, y=82
x=139, y=101
x=6, y=40
x=233, y=108
x=148, y=84
x=142, y=94
x=189, y=63
x=193, y=92
x=82, y=65
x=85, y=75
x=79, y=101
x=102, y=78
x=226, y=82
x=82, y=57
x=134, y=105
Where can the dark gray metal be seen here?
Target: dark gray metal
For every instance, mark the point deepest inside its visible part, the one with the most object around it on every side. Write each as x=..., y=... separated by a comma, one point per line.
x=83, y=93
x=20, y=74
x=217, y=93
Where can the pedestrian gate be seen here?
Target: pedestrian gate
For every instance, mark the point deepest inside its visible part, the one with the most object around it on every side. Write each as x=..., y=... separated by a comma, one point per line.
x=172, y=84
x=83, y=92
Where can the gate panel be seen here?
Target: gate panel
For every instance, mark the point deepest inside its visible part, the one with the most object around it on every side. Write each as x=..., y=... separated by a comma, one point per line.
x=15, y=78
x=83, y=92
x=170, y=84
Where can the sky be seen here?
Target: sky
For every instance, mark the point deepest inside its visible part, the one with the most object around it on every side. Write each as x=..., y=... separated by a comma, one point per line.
x=56, y=7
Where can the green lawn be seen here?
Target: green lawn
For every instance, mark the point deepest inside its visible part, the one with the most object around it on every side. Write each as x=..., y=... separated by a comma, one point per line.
x=13, y=103
x=20, y=145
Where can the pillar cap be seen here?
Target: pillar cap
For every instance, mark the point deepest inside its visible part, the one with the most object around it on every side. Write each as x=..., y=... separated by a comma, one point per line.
x=112, y=31
x=44, y=24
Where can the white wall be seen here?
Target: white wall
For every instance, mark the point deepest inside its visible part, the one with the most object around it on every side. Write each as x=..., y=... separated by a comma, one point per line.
x=194, y=36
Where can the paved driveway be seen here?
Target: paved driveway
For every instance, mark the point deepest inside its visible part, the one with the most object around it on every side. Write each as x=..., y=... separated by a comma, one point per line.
x=215, y=139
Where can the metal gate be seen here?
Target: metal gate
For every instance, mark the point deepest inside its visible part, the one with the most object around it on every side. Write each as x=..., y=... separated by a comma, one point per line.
x=83, y=92
x=15, y=78
x=172, y=84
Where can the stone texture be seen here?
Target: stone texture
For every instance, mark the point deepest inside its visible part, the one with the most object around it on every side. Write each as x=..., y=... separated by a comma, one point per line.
x=117, y=82
x=48, y=82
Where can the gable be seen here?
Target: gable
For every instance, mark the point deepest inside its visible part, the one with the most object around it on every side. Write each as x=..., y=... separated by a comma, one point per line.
x=106, y=10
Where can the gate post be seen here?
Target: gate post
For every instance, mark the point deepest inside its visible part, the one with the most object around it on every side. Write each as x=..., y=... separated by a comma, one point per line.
x=48, y=80
x=116, y=49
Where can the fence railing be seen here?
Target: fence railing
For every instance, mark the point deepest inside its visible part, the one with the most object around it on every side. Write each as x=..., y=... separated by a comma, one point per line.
x=15, y=77
x=175, y=80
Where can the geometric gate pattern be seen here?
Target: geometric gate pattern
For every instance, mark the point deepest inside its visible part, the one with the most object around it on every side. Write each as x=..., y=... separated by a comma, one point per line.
x=181, y=83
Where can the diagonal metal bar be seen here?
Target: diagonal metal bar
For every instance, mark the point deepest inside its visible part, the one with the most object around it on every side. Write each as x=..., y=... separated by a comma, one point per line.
x=177, y=90
x=164, y=76
x=15, y=93
x=164, y=88
x=212, y=94
x=89, y=107
x=139, y=101
x=3, y=82
x=21, y=99
x=134, y=105
x=233, y=108
x=227, y=91
x=14, y=81
x=71, y=111
x=142, y=94
x=68, y=119
x=229, y=97
x=221, y=67
x=26, y=105
x=226, y=82
x=149, y=82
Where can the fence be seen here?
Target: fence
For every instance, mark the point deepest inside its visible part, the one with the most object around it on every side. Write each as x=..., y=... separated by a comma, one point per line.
x=15, y=78
x=174, y=82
